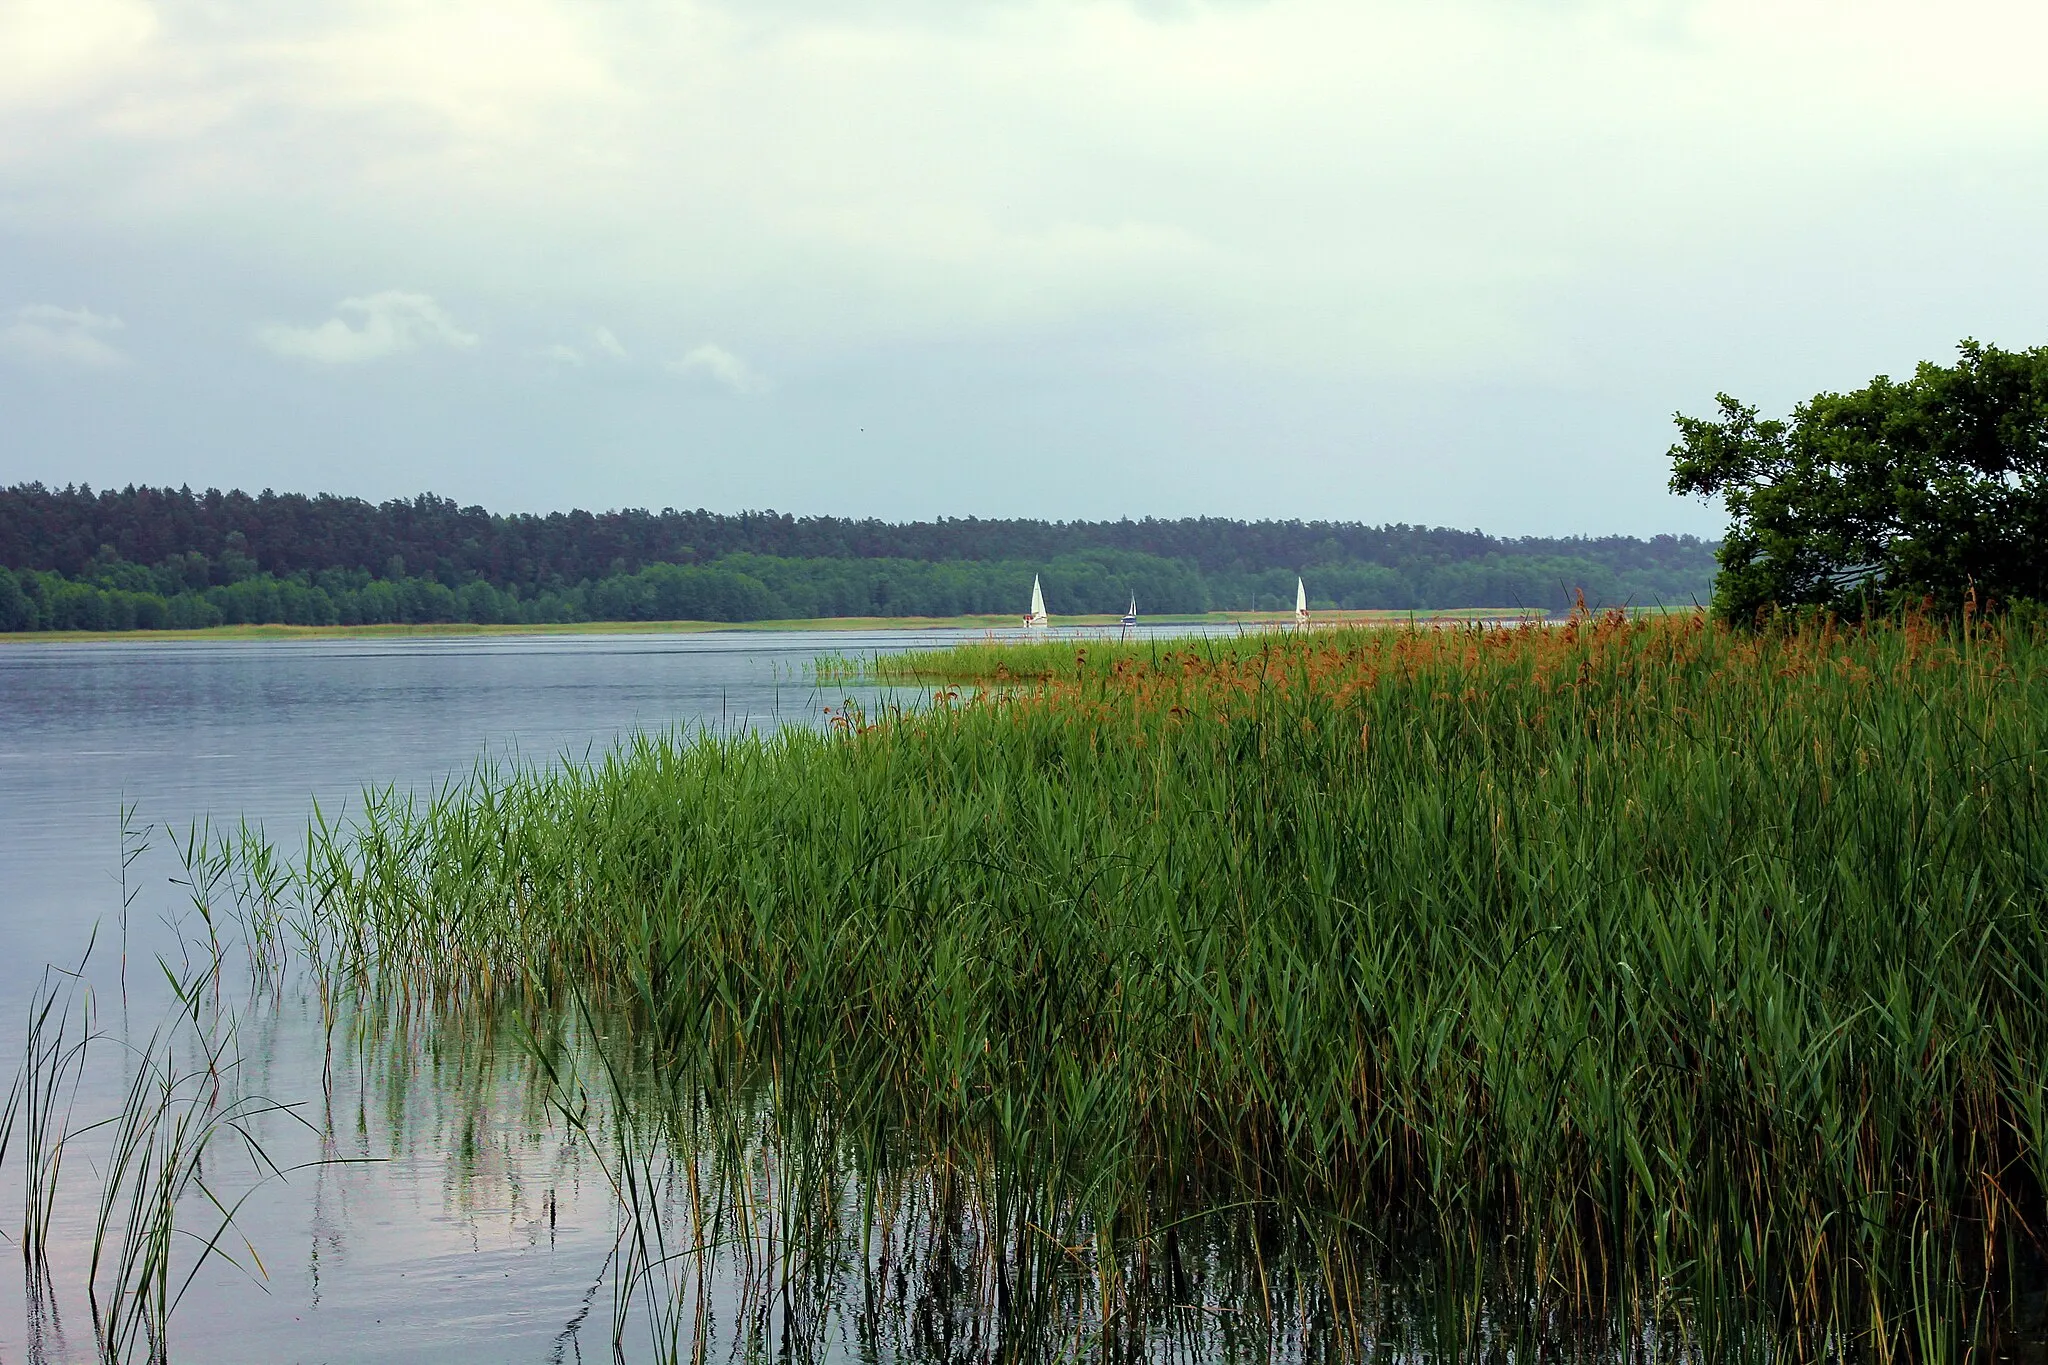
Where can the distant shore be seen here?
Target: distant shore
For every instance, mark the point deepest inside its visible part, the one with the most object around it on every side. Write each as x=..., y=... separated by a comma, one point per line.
x=827, y=623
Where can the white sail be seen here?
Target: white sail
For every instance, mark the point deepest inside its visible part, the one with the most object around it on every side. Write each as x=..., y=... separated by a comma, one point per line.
x=1037, y=616
x=1300, y=603
x=1131, y=616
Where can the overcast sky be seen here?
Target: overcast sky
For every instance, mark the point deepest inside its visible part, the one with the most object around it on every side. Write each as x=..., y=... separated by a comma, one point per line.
x=1449, y=261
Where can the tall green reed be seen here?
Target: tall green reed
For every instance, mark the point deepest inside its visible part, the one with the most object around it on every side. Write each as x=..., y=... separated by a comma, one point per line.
x=161, y=1214
x=181, y=1106
x=1651, y=971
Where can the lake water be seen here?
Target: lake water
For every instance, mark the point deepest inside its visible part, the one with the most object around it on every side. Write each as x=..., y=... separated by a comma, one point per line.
x=263, y=729
x=452, y=1220
x=433, y=1198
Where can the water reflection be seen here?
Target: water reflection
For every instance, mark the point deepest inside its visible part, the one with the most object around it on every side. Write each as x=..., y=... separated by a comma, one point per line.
x=553, y=1178
x=714, y=1206
x=464, y=1223
x=549, y=1176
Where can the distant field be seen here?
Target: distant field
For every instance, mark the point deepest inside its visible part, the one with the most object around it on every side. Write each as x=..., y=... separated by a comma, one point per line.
x=281, y=632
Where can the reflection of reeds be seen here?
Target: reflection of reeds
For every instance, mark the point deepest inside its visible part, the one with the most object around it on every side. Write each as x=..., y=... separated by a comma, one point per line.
x=145, y=1255
x=38, y=1111
x=1643, y=968
x=755, y=1208
x=160, y=1219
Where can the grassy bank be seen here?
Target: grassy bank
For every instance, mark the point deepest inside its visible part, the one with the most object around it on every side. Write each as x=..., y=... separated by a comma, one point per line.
x=1649, y=962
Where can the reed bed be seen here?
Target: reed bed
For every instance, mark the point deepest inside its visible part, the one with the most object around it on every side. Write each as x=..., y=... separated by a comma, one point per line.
x=762, y=1219
x=167, y=1170
x=1637, y=972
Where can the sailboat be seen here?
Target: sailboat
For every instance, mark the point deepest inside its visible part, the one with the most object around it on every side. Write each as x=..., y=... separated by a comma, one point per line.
x=1300, y=605
x=1131, y=616
x=1037, y=618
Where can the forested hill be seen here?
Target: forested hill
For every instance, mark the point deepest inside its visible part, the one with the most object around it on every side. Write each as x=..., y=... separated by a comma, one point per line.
x=287, y=533
x=236, y=556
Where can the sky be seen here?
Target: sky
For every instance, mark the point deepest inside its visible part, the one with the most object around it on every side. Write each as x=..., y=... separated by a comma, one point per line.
x=1445, y=261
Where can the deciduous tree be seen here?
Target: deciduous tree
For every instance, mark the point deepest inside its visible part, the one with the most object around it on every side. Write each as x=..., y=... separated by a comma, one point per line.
x=1896, y=493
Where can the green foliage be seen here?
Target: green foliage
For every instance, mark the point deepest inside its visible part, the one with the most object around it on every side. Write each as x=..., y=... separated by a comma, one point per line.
x=168, y=543
x=162, y=1210
x=218, y=537
x=17, y=611
x=1670, y=963
x=1928, y=489
x=116, y=595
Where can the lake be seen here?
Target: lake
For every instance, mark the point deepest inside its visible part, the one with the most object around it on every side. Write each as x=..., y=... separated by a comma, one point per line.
x=450, y=1216
x=442, y=1245
x=642, y=1161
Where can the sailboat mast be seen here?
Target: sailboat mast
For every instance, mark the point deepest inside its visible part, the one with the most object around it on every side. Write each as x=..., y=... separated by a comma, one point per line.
x=1037, y=616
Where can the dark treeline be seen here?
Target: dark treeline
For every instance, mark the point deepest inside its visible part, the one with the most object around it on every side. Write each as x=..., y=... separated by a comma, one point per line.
x=145, y=558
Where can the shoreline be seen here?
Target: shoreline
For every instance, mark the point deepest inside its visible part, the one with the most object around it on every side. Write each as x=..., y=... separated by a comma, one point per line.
x=849, y=624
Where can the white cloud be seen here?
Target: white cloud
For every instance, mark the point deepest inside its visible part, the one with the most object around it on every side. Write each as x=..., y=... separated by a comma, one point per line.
x=54, y=49
x=1302, y=182
x=392, y=322
x=1181, y=208
x=603, y=345
x=721, y=367
x=43, y=332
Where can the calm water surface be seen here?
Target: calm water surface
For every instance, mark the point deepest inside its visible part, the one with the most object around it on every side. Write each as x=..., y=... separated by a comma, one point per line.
x=454, y=1242
x=433, y=1206
x=463, y=1226
x=264, y=729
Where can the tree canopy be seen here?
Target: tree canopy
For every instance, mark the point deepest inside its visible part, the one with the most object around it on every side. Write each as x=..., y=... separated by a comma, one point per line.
x=140, y=557
x=1897, y=493
x=67, y=529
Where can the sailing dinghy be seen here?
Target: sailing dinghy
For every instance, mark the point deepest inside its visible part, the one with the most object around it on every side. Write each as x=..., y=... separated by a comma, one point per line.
x=1300, y=605
x=1037, y=619
x=1131, y=616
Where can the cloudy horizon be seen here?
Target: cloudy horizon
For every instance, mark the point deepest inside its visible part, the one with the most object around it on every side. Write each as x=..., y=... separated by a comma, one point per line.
x=1381, y=261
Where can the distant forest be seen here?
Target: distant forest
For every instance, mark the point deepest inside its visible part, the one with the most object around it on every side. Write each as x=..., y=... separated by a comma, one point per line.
x=150, y=558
